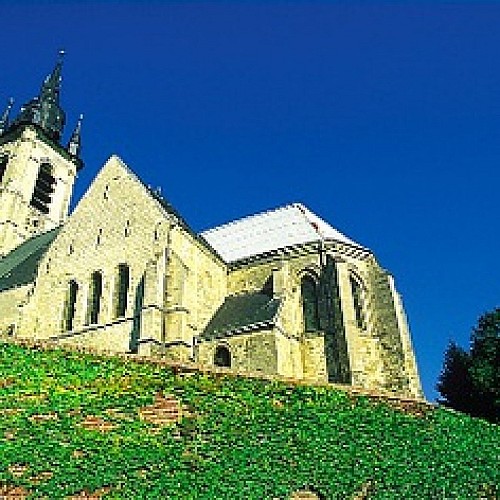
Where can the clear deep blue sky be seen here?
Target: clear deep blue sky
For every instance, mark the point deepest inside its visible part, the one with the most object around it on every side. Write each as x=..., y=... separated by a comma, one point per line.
x=382, y=118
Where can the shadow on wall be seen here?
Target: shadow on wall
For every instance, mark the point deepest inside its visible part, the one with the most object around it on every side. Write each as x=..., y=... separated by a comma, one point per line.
x=332, y=323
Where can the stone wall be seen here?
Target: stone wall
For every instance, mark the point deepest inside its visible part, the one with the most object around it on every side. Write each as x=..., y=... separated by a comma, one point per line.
x=386, y=331
x=252, y=352
x=113, y=338
x=11, y=304
x=415, y=386
x=374, y=352
x=119, y=222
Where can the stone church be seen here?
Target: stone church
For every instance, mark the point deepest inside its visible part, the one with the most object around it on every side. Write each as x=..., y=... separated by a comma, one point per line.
x=281, y=292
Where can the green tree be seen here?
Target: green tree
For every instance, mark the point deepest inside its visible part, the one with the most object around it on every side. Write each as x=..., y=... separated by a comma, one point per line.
x=455, y=384
x=470, y=381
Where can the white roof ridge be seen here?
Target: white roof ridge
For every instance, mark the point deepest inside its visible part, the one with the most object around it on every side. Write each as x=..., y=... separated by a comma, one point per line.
x=306, y=213
x=282, y=227
x=250, y=217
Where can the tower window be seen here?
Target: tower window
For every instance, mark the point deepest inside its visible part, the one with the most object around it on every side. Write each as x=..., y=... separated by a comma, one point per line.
x=3, y=167
x=44, y=188
x=357, y=297
x=70, y=305
x=94, y=298
x=309, y=291
x=222, y=356
x=122, y=290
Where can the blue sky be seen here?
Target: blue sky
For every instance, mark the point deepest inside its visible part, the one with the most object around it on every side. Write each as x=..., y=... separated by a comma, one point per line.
x=383, y=118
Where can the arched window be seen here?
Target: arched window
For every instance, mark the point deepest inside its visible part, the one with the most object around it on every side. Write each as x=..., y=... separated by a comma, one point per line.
x=3, y=166
x=70, y=305
x=357, y=298
x=94, y=298
x=222, y=356
x=44, y=188
x=309, y=291
x=122, y=286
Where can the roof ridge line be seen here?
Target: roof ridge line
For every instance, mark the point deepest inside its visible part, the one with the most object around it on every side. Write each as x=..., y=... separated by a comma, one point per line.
x=168, y=210
x=250, y=216
x=304, y=212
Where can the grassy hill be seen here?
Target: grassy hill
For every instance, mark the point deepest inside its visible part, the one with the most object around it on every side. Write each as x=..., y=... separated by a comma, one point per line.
x=72, y=424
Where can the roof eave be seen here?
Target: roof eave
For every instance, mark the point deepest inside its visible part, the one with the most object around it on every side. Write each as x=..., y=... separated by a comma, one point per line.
x=260, y=325
x=314, y=245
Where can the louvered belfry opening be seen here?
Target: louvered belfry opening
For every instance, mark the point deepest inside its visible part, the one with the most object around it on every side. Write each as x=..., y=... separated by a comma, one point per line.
x=44, y=188
x=3, y=167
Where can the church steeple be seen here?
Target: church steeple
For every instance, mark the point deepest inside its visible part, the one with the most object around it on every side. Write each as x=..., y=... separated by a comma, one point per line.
x=4, y=119
x=45, y=110
x=75, y=142
x=38, y=171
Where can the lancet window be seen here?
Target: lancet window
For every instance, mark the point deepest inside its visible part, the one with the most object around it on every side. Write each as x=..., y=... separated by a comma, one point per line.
x=95, y=298
x=122, y=286
x=357, y=297
x=309, y=290
x=71, y=305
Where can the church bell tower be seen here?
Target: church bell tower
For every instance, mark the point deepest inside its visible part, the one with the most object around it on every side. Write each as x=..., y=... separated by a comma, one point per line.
x=37, y=172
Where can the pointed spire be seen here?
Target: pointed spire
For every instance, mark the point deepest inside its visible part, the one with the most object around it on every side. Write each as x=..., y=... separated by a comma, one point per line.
x=52, y=117
x=74, y=144
x=52, y=84
x=44, y=110
x=4, y=120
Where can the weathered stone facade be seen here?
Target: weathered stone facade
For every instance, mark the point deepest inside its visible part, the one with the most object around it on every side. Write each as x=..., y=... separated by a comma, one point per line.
x=278, y=293
x=340, y=350
x=175, y=281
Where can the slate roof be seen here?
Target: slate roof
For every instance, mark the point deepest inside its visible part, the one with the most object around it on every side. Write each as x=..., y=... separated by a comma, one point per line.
x=246, y=312
x=283, y=227
x=19, y=267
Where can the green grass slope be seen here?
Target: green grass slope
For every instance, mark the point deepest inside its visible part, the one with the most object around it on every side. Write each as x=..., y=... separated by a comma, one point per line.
x=238, y=438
